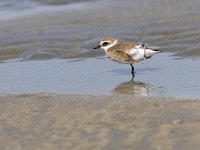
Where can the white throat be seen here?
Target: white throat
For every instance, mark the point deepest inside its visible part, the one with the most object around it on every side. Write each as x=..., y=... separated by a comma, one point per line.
x=109, y=46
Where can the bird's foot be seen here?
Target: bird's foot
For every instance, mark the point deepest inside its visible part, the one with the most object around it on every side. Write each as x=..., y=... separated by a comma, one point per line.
x=133, y=76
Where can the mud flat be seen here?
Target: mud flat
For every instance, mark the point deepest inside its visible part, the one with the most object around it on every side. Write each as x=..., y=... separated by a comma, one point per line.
x=61, y=121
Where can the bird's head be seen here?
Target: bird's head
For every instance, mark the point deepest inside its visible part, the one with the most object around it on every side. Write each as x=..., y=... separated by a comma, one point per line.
x=106, y=43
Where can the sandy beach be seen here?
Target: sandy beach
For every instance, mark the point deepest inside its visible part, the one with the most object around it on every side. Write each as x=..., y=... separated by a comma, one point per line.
x=60, y=121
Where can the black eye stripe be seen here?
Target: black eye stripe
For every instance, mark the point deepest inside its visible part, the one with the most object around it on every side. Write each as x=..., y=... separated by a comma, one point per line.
x=105, y=43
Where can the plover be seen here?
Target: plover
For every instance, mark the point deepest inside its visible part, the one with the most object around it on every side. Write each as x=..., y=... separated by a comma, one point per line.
x=125, y=52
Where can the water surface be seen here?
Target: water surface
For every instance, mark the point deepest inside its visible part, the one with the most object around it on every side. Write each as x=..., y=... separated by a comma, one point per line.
x=170, y=77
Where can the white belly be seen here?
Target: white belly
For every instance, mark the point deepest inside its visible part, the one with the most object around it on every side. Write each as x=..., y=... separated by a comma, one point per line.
x=141, y=54
x=137, y=54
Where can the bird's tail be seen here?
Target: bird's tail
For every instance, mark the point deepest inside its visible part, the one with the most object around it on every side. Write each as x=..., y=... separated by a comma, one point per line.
x=149, y=52
x=151, y=49
x=157, y=50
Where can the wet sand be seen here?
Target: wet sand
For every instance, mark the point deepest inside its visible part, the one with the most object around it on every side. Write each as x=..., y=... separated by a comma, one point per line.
x=82, y=122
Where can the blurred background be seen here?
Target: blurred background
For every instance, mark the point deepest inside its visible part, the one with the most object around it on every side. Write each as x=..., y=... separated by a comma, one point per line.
x=67, y=28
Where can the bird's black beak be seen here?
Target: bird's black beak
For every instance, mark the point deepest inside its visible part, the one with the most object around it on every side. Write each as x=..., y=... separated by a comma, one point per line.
x=99, y=46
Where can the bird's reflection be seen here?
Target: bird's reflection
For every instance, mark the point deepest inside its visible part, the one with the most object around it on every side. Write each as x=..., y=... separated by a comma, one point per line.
x=134, y=88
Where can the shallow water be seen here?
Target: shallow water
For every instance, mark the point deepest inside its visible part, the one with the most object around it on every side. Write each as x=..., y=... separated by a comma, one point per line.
x=47, y=31
x=170, y=77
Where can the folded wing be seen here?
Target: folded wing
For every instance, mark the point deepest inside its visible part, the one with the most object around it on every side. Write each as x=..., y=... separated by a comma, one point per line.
x=121, y=56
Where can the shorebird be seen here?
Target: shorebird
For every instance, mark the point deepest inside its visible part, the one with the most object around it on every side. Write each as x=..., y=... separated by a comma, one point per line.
x=125, y=52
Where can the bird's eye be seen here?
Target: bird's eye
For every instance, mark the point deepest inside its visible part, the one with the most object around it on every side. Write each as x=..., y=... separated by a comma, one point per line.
x=105, y=43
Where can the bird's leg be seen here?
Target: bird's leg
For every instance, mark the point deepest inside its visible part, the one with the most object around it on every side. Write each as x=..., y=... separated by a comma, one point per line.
x=132, y=71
